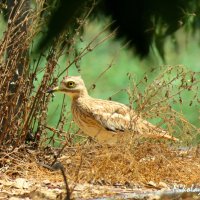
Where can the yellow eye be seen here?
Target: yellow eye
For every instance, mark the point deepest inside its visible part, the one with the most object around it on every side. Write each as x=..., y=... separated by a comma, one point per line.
x=71, y=84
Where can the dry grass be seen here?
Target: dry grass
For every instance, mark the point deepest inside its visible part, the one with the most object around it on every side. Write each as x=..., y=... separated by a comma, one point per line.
x=127, y=166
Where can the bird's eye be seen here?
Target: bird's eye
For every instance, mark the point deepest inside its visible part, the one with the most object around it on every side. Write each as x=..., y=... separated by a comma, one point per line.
x=71, y=84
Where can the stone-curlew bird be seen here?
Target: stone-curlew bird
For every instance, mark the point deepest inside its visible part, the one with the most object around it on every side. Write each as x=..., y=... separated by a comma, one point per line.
x=108, y=122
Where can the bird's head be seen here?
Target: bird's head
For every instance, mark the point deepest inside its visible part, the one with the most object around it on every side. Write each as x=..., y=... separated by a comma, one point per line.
x=71, y=85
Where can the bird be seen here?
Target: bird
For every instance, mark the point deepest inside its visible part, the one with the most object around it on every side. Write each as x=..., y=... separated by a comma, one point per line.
x=107, y=122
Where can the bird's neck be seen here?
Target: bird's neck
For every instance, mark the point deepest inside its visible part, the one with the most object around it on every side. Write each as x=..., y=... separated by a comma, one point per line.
x=81, y=94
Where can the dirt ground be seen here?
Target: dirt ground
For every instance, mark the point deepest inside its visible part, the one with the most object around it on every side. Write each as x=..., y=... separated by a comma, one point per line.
x=145, y=170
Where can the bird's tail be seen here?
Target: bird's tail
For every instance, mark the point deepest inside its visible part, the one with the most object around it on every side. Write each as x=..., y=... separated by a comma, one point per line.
x=162, y=134
x=147, y=129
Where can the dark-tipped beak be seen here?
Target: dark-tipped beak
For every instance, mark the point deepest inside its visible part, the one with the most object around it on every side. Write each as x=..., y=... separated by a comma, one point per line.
x=52, y=90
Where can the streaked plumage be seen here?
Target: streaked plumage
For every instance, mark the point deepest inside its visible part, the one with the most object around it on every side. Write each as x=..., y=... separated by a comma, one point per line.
x=106, y=121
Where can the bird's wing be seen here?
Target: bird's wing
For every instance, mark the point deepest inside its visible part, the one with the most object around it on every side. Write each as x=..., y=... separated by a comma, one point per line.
x=118, y=117
x=112, y=116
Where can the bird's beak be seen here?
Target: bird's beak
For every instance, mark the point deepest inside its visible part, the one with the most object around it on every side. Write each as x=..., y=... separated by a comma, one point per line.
x=52, y=90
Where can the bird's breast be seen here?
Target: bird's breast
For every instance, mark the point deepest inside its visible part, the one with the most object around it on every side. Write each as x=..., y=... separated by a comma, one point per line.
x=91, y=127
